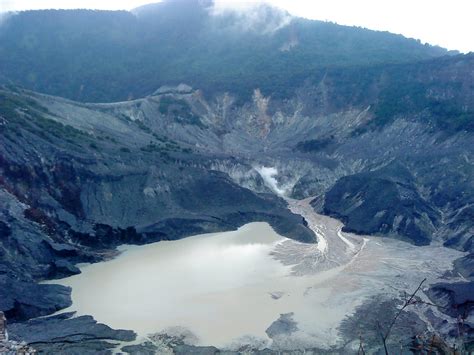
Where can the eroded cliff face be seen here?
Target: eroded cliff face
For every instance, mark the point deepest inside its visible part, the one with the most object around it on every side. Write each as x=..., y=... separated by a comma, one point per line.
x=344, y=156
x=78, y=180
x=129, y=164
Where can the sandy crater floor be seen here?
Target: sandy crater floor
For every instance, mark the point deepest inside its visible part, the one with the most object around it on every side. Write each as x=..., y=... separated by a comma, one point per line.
x=228, y=288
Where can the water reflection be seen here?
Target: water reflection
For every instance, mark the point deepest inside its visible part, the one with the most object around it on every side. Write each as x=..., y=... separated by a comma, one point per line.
x=218, y=285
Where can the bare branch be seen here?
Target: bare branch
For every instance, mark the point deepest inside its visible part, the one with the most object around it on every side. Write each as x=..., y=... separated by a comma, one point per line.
x=429, y=304
x=408, y=302
x=384, y=339
x=361, y=350
x=435, y=342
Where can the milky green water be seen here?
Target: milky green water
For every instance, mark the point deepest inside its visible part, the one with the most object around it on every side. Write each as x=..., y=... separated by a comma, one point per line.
x=217, y=285
x=224, y=287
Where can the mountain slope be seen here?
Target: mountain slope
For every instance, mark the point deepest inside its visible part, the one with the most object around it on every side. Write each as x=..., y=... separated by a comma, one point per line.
x=110, y=56
x=374, y=129
x=71, y=194
x=79, y=179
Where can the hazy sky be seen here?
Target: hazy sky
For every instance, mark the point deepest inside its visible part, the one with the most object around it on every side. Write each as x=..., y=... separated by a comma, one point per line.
x=448, y=23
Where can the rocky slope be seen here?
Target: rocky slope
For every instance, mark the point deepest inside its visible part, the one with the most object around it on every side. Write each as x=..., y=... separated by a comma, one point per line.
x=79, y=179
x=381, y=172
x=384, y=146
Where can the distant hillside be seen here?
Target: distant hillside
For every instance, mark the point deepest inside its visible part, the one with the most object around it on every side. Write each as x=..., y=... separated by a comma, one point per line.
x=115, y=55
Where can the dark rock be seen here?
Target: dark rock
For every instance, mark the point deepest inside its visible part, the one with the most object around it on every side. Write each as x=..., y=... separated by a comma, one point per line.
x=5, y=230
x=456, y=299
x=465, y=266
x=85, y=347
x=63, y=334
x=63, y=268
x=197, y=350
x=146, y=348
x=383, y=202
x=284, y=325
x=24, y=300
x=62, y=249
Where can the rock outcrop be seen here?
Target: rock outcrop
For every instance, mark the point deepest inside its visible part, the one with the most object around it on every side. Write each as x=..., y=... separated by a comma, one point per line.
x=64, y=334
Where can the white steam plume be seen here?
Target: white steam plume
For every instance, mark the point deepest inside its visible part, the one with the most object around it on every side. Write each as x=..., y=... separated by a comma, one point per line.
x=268, y=176
x=256, y=16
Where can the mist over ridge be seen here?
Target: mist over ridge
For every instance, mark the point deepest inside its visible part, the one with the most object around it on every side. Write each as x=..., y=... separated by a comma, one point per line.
x=114, y=55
